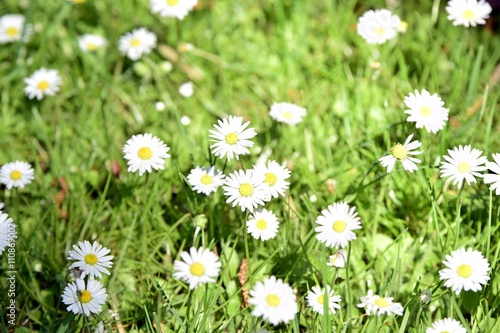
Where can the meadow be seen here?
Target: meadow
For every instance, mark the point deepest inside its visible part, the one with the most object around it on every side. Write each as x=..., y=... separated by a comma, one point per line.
x=242, y=57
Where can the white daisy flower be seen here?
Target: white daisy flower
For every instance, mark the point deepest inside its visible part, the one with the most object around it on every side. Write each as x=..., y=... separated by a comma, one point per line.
x=7, y=231
x=316, y=299
x=16, y=174
x=287, y=113
x=468, y=12
x=11, y=28
x=91, y=43
x=197, y=267
x=137, y=43
x=337, y=224
x=145, y=151
x=42, y=82
x=246, y=189
x=273, y=300
x=379, y=26
x=92, y=260
x=274, y=177
x=82, y=298
x=446, y=325
x=426, y=110
x=493, y=178
x=464, y=163
x=172, y=8
x=159, y=106
x=339, y=259
x=403, y=153
x=186, y=89
x=231, y=138
x=466, y=270
x=205, y=180
x=185, y=120
x=263, y=224
x=376, y=305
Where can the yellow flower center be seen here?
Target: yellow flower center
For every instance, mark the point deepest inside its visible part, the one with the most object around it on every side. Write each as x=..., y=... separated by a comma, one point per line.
x=15, y=175
x=273, y=300
x=468, y=14
x=321, y=299
x=197, y=269
x=206, y=179
x=12, y=31
x=464, y=270
x=339, y=226
x=135, y=42
x=262, y=224
x=381, y=302
x=399, y=152
x=425, y=111
x=287, y=115
x=91, y=46
x=445, y=331
x=246, y=189
x=379, y=31
x=78, y=1
x=464, y=167
x=145, y=153
x=91, y=259
x=271, y=178
x=172, y=2
x=43, y=85
x=85, y=296
x=231, y=138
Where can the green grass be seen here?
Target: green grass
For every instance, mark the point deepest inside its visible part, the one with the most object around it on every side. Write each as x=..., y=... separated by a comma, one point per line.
x=247, y=55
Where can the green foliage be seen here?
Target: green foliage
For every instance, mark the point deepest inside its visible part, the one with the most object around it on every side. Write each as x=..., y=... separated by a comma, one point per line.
x=246, y=56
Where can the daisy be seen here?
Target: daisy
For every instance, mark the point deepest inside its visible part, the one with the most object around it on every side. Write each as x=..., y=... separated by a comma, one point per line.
x=273, y=300
x=7, y=231
x=316, y=299
x=246, y=189
x=91, y=259
x=446, y=325
x=463, y=163
x=185, y=120
x=186, y=89
x=137, y=43
x=337, y=224
x=145, y=151
x=42, y=82
x=197, y=267
x=16, y=174
x=287, y=113
x=231, y=138
x=493, y=179
x=11, y=28
x=172, y=8
x=378, y=26
x=376, y=305
x=426, y=110
x=82, y=298
x=274, y=177
x=205, y=180
x=468, y=12
x=263, y=224
x=91, y=43
x=466, y=270
x=338, y=260
x=403, y=153
x=159, y=106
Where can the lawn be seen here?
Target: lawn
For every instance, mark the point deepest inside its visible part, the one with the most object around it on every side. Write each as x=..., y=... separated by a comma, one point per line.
x=242, y=57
